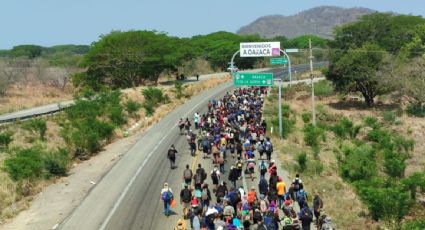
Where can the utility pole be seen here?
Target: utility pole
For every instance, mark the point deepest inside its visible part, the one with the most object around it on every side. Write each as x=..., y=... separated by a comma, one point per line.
x=312, y=84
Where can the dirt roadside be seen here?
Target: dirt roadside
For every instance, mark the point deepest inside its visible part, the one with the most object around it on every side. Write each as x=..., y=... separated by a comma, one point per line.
x=58, y=200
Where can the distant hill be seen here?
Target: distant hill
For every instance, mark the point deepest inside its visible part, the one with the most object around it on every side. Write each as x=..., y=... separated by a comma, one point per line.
x=318, y=21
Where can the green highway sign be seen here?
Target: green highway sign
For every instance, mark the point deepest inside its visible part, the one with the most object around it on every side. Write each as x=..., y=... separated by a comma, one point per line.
x=278, y=61
x=253, y=79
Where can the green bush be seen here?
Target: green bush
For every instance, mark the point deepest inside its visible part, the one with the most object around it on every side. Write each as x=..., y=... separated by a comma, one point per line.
x=153, y=95
x=345, y=128
x=179, y=89
x=149, y=108
x=388, y=204
x=389, y=117
x=418, y=224
x=56, y=162
x=116, y=115
x=6, y=138
x=37, y=125
x=358, y=163
x=313, y=136
x=85, y=137
x=132, y=107
x=25, y=163
x=416, y=110
x=306, y=117
x=413, y=183
x=302, y=161
x=371, y=122
x=322, y=88
x=288, y=120
x=394, y=163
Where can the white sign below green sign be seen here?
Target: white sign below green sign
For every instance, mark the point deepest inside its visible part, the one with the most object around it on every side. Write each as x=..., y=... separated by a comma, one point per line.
x=278, y=61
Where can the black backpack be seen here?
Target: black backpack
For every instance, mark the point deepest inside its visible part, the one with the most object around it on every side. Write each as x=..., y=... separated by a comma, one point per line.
x=214, y=176
x=261, y=227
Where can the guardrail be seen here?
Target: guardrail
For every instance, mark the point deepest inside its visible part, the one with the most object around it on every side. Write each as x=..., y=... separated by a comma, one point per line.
x=57, y=107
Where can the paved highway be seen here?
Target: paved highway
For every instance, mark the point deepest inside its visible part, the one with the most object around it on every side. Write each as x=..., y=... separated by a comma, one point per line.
x=128, y=196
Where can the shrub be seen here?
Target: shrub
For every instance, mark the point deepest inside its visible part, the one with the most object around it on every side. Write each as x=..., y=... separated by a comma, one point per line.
x=388, y=204
x=25, y=164
x=413, y=182
x=322, y=88
x=418, y=224
x=389, y=117
x=306, y=117
x=56, y=162
x=179, y=89
x=345, y=128
x=288, y=121
x=302, y=161
x=85, y=136
x=371, y=122
x=116, y=115
x=6, y=138
x=358, y=163
x=416, y=110
x=394, y=163
x=154, y=95
x=37, y=125
x=149, y=108
x=132, y=107
x=312, y=137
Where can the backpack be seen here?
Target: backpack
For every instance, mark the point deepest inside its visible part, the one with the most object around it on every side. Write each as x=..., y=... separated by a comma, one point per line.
x=287, y=221
x=204, y=194
x=297, y=184
x=201, y=171
x=214, y=176
x=268, y=146
x=301, y=196
x=306, y=215
x=268, y=221
x=211, y=218
x=186, y=195
x=187, y=174
x=262, y=227
x=198, y=193
x=198, y=178
x=171, y=153
x=251, y=197
x=239, y=165
x=327, y=226
x=263, y=206
x=167, y=195
x=263, y=168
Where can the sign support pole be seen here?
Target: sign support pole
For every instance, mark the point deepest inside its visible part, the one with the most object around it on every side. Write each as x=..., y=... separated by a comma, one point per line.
x=280, y=92
x=231, y=62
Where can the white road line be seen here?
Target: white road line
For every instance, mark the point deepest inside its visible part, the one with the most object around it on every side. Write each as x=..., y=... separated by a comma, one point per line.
x=130, y=183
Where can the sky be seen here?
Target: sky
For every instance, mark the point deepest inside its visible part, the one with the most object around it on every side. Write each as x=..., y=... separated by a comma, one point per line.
x=54, y=22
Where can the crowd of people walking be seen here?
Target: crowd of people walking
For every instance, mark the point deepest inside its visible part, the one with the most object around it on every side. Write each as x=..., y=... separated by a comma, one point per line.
x=232, y=133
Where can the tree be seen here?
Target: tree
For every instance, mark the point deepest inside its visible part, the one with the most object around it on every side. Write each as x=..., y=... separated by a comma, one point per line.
x=356, y=71
x=388, y=204
x=128, y=59
x=29, y=51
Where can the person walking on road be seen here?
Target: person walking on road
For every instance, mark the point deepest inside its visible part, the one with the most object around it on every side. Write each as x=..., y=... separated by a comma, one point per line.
x=166, y=197
x=281, y=190
x=196, y=120
x=233, y=175
x=185, y=199
x=317, y=206
x=192, y=148
x=171, y=155
x=187, y=176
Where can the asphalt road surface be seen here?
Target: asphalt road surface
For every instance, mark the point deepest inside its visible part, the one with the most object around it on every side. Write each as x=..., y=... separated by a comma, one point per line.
x=128, y=196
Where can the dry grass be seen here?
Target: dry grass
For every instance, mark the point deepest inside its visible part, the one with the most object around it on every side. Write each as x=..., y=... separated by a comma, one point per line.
x=33, y=94
x=11, y=202
x=340, y=199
